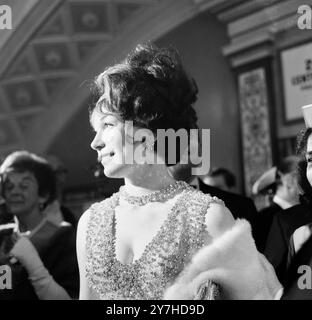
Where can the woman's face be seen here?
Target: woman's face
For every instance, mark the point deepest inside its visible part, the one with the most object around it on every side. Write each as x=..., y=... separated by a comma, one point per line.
x=309, y=159
x=21, y=192
x=120, y=149
x=108, y=142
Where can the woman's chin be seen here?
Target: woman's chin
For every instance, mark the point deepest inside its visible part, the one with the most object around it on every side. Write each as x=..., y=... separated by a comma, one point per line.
x=114, y=171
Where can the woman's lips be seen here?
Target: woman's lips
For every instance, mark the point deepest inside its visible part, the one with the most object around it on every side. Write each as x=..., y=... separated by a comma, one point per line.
x=106, y=156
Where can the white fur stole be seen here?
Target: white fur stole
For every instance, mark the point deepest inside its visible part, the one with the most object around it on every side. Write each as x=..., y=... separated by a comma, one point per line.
x=233, y=262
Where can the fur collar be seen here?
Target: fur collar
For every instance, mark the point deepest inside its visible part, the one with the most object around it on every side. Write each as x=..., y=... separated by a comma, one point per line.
x=233, y=262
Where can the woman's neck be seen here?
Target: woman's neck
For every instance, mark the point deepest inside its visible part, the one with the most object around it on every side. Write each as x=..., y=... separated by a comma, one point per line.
x=155, y=177
x=28, y=221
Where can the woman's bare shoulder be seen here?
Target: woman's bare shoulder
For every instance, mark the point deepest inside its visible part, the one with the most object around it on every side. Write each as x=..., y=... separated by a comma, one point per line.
x=92, y=214
x=216, y=215
x=83, y=221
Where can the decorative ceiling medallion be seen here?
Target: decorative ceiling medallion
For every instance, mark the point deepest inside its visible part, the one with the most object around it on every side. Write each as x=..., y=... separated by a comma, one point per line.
x=23, y=95
x=90, y=17
x=53, y=56
x=90, y=20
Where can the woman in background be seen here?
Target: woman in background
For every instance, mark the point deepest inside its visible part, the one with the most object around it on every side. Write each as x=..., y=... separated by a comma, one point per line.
x=42, y=253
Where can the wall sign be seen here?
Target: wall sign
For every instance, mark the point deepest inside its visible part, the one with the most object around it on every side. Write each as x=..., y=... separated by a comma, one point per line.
x=296, y=64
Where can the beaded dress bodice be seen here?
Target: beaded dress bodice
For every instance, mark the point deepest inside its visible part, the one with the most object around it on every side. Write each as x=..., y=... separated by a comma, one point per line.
x=180, y=236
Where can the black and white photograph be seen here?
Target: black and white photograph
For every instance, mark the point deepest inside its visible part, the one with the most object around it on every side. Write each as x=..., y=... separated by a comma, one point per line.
x=155, y=150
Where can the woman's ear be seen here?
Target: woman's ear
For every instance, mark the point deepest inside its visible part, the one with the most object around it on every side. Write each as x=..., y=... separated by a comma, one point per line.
x=146, y=137
x=136, y=135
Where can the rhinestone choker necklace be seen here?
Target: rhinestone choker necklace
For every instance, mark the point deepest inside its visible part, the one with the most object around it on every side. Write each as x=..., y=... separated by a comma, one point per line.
x=160, y=195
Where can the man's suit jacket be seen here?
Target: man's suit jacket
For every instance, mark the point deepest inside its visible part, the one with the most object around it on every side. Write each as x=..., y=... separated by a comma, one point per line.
x=263, y=224
x=284, y=224
x=291, y=288
x=240, y=206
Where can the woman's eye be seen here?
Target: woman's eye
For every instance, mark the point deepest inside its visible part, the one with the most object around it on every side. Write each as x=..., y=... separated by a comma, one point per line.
x=309, y=160
x=107, y=124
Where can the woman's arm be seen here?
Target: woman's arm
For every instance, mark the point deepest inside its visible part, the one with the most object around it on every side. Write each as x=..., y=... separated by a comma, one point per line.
x=43, y=283
x=85, y=292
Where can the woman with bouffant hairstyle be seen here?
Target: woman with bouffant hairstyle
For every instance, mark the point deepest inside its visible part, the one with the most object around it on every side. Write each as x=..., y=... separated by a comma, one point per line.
x=135, y=244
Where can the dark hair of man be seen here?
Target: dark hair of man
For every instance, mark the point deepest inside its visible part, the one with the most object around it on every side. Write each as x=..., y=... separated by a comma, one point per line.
x=228, y=176
x=151, y=88
x=288, y=165
x=24, y=161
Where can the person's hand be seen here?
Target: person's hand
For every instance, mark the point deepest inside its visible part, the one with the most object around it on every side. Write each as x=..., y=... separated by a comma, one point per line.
x=43, y=283
x=25, y=252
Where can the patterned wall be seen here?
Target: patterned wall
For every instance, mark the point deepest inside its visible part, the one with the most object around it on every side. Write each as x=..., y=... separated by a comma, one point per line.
x=255, y=125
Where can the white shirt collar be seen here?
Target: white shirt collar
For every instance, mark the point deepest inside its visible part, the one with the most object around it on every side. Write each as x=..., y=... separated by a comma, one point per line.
x=281, y=202
x=301, y=235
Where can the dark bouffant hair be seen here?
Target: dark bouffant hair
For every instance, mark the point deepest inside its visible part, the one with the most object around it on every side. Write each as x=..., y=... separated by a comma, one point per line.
x=22, y=161
x=150, y=88
x=306, y=189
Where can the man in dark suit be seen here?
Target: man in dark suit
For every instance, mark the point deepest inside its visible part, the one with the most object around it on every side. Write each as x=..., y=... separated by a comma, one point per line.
x=303, y=257
x=264, y=222
x=292, y=289
x=282, y=181
x=240, y=206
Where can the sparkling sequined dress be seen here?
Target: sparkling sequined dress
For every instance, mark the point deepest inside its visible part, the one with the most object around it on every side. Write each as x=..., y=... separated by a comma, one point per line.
x=181, y=235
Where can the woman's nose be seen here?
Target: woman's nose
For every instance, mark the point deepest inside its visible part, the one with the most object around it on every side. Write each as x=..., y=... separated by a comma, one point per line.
x=97, y=143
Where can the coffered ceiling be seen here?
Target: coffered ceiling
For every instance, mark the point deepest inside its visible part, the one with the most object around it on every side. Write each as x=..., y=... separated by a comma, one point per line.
x=52, y=56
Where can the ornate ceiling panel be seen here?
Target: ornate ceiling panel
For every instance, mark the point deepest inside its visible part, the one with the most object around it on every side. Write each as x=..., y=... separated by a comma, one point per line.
x=23, y=95
x=55, y=52
x=90, y=17
x=53, y=56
